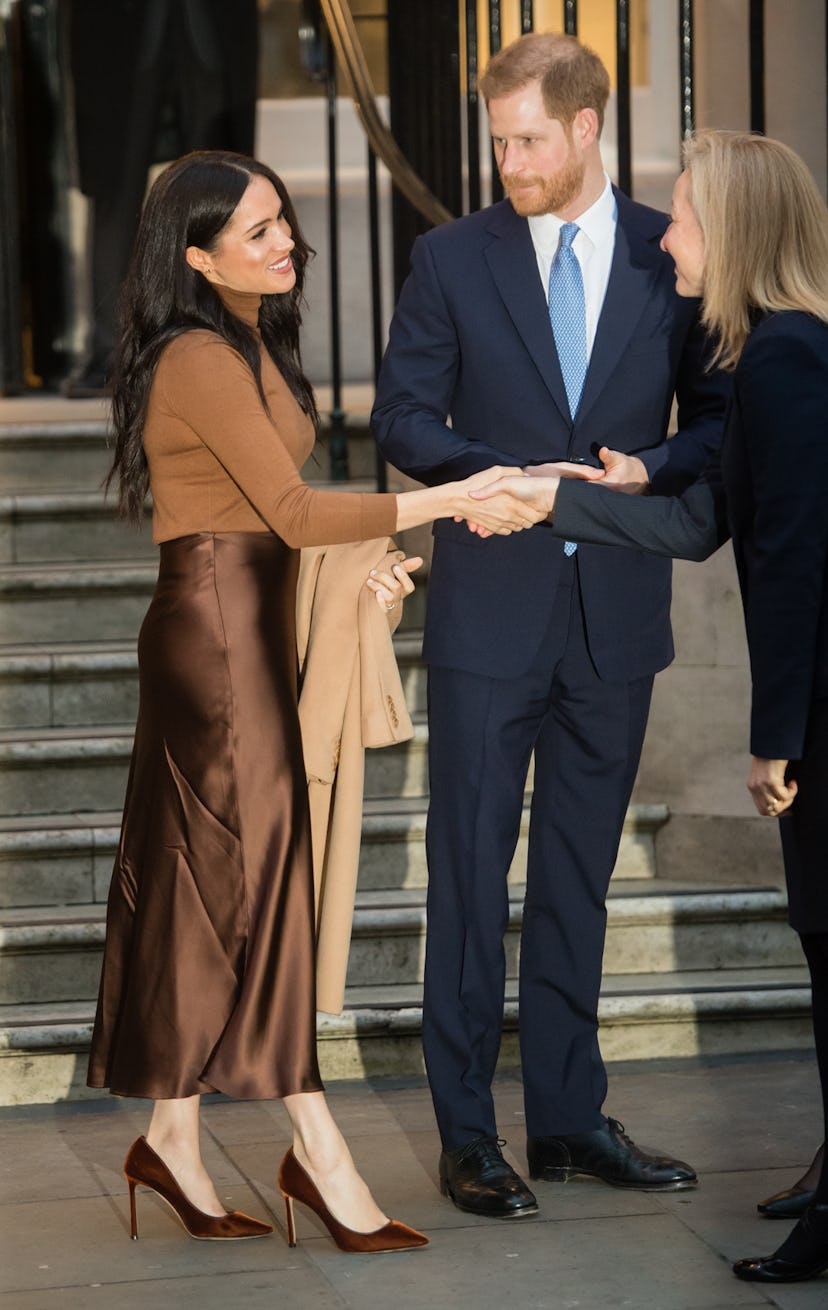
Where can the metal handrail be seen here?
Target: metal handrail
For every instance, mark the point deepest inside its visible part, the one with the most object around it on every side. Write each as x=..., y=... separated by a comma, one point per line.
x=351, y=56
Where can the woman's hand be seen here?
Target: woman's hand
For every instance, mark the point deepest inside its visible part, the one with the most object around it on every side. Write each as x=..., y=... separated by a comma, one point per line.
x=504, y=512
x=623, y=472
x=536, y=493
x=391, y=586
x=772, y=795
x=537, y=488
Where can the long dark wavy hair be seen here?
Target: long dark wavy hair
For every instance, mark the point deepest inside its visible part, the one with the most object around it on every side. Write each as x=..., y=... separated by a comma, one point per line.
x=190, y=204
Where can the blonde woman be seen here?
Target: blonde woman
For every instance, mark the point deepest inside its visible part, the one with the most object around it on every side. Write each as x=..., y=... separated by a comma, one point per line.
x=749, y=233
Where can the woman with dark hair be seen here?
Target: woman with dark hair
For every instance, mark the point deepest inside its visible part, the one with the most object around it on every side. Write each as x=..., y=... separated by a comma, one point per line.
x=208, y=974
x=749, y=234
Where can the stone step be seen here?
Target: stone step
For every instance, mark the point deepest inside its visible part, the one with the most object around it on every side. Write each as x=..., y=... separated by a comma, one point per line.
x=89, y=602
x=68, y=455
x=53, y=954
x=87, y=684
x=749, y=1011
x=43, y=1048
x=65, y=454
x=53, y=526
x=68, y=684
x=648, y=931
x=393, y=844
x=52, y=860
x=66, y=859
x=54, y=603
x=63, y=770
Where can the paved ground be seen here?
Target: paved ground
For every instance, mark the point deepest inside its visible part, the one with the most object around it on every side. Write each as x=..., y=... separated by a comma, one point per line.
x=747, y=1125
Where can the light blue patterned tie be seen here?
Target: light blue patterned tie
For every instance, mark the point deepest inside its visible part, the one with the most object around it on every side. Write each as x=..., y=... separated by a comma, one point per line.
x=567, y=314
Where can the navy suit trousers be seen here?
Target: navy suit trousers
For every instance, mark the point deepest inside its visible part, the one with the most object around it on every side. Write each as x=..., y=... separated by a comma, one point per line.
x=587, y=736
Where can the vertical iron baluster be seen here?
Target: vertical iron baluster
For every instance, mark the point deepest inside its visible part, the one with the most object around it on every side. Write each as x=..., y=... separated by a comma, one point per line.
x=376, y=292
x=623, y=103
x=11, y=341
x=686, y=88
x=495, y=39
x=338, y=442
x=44, y=192
x=757, y=65
x=472, y=106
x=426, y=117
x=448, y=139
x=495, y=27
x=571, y=17
x=527, y=16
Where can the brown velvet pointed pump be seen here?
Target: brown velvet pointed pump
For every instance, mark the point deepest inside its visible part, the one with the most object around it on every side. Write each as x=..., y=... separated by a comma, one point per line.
x=296, y=1185
x=143, y=1168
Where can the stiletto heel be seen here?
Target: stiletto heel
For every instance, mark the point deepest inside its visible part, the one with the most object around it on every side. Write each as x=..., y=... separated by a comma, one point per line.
x=144, y=1168
x=133, y=1218
x=291, y=1222
x=295, y=1184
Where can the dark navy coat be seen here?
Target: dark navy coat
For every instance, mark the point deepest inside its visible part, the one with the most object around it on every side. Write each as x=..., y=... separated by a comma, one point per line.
x=471, y=340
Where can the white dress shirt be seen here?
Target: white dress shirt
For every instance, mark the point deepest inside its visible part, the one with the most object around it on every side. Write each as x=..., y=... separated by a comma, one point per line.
x=593, y=246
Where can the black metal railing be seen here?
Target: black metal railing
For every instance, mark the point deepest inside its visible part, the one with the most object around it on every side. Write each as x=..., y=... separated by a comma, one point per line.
x=434, y=156
x=436, y=121
x=570, y=26
x=437, y=128
x=756, y=25
x=11, y=342
x=687, y=108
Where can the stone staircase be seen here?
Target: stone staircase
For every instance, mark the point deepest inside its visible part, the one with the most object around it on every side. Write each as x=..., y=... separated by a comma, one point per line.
x=687, y=971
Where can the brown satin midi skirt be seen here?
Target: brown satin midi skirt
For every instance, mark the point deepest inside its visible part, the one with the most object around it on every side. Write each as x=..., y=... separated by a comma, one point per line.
x=208, y=972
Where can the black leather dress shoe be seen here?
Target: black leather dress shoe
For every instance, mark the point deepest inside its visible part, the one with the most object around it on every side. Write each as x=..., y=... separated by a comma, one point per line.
x=477, y=1178
x=803, y=1255
x=606, y=1153
x=790, y=1204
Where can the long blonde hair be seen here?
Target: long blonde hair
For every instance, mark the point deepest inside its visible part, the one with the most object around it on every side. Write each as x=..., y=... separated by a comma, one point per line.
x=765, y=229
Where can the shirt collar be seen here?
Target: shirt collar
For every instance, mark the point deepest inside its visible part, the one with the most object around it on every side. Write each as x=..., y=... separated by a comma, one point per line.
x=597, y=223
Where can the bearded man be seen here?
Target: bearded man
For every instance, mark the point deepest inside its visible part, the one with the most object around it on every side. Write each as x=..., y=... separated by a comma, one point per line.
x=543, y=327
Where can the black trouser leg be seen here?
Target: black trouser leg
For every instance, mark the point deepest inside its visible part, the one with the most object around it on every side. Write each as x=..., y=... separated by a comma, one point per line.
x=815, y=946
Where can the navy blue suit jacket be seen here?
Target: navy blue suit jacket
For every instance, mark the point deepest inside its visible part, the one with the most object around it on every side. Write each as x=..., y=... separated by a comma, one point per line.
x=471, y=339
x=771, y=493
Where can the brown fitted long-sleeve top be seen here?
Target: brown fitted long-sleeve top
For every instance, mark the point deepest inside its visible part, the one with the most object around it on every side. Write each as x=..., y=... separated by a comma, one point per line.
x=219, y=463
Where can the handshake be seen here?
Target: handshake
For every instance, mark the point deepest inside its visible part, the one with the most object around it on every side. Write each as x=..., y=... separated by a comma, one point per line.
x=507, y=500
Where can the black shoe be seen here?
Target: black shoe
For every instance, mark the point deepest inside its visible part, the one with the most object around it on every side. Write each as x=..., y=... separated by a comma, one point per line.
x=790, y=1204
x=477, y=1178
x=804, y=1254
x=794, y=1201
x=606, y=1153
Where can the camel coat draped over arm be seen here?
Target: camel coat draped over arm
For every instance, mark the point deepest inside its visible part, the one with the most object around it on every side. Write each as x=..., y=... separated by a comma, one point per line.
x=350, y=697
